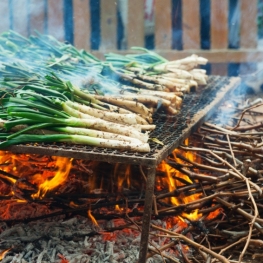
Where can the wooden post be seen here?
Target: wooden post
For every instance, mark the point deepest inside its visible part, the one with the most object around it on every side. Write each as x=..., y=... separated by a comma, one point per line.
x=219, y=24
x=219, y=32
x=81, y=16
x=135, y=24
x=36, y=16
x=248, y=23
x=20, y=17
x=5, y=16
x=55, y=25
x=108, y=20
x=191, y=24
x=163, y=24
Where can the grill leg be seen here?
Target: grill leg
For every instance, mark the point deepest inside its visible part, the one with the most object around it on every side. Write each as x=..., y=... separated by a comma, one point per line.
x=147, y=214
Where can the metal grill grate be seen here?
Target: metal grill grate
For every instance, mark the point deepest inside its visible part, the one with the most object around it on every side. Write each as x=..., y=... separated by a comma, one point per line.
x=171, y=130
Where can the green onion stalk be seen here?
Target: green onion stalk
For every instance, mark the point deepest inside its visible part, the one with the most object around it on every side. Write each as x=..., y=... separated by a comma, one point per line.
x=76, y=139
x=31, y=111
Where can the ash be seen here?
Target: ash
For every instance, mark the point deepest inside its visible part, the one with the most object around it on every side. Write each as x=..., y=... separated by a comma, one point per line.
x=74, y=240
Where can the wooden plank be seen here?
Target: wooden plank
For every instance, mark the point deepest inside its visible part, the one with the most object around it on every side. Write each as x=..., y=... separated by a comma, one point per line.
x=5, y=17
x=220, y=69
x=108, y=23
x=81, y=16
x=248, y=23
x=163, y=24
x=219, y=24
x=213, y=56
x=20, y=17
x=55, y=19
x=191, y=24
x=135, y=24
x=36, y=16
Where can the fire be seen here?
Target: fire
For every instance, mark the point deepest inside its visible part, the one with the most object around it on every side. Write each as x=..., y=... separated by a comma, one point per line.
x=34, y=176
x=3, y=253
x=43, y=172
x=173, y=183
x=94, y=221
x=63, y=168
x=122, y=175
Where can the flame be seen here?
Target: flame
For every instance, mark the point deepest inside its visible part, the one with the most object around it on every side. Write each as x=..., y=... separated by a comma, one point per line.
x=173, y=184
x=64, y=166
x=3, y=253
x=47, y=173
x=94, y=221
x=118, y=208
x=122, y=174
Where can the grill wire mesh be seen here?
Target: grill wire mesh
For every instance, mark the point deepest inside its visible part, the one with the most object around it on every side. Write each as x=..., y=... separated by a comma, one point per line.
x=170, y=130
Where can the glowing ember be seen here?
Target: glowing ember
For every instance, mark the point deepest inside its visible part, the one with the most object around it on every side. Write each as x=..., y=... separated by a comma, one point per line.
x=63, y=259
x=39, y=175
x=3, y=253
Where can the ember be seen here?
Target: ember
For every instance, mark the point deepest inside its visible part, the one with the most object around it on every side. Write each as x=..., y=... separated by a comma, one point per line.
x=200, y=206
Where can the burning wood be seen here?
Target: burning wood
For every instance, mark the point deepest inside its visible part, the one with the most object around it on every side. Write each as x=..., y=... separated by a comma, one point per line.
x=206, y=205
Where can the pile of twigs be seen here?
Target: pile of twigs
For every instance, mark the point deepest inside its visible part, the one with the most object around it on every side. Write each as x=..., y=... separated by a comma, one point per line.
x=228, y=179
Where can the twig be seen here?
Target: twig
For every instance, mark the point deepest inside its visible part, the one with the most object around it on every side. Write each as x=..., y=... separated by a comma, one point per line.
x=220, y=128
x=243, y=113
x=153, y=251
x=230, y=147
x=238, y=174
x=252, y=222
x=191, y=242
x=139, y=228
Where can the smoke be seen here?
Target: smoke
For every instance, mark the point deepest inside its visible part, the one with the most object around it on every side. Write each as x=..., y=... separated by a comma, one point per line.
x=45, y=16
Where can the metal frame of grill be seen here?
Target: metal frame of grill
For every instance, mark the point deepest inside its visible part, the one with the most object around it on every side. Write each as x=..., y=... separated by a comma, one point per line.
x=197, y=107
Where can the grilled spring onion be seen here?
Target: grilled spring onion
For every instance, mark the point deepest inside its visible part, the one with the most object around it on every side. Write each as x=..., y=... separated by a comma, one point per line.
x=93, y=123
x=102, y=105
x=48, y=129
x=129, y=119
x=134, y=106
x=77, y=139
x=38, y=120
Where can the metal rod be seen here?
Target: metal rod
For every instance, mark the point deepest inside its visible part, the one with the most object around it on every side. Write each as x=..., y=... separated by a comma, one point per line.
x=146, y=220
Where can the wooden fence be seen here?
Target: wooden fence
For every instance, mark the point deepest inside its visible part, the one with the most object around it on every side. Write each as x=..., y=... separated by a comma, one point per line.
x=48, y=16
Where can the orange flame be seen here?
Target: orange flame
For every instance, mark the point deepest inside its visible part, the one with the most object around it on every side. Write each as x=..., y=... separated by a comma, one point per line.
x=3, y=253
x=122, y=175
x=64, y=166
x=94, y=221
x=173, y=184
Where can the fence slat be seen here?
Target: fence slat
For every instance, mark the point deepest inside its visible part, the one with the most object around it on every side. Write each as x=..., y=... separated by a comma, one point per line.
x=4, y=14
x=135, y=24
x=248, y=23
x=191, y=24
x=20, y=17
x=163, y=24
x=108, y=20
x=36, y=16
x=219, y=24
x=55, y=19
x=81, y=14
